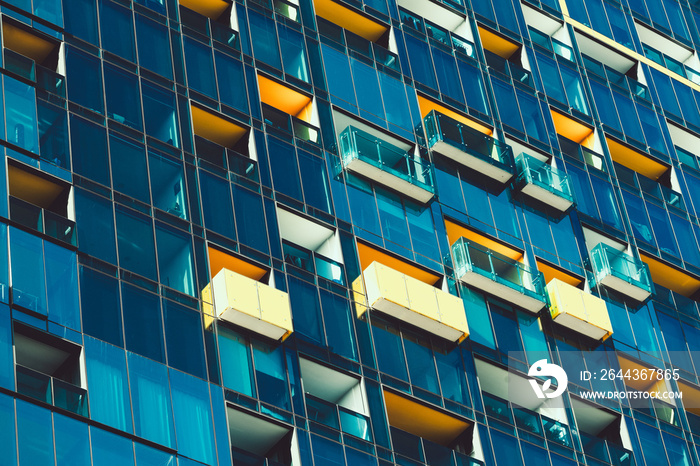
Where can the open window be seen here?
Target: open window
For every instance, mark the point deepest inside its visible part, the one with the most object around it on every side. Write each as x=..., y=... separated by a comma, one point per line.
x=220, y=140
x=311, y=246
x=30, y=53
x=505, y=56
x=335, y=399
x=288, y=110
x=49, y=369
x=41, y=202
x=211, y=17
x=603, y=433
x=255, y=438
x=680, y=59
x=548, y=32
x=404, y=291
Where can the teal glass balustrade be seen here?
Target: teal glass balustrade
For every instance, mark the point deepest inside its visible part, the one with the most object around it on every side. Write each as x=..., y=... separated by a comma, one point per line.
x=385, y=163
x=337, y=417
x=499, y=275
x=544, y=182
x=43, y=221
x=621, y=272
x=51, y=390
x=469, y=146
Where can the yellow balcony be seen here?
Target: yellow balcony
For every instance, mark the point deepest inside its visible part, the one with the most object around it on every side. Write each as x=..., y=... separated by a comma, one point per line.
x=578, y=310
x=414, y=301
x=250, y=304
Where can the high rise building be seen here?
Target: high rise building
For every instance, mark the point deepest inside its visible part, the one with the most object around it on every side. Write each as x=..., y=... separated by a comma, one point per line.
x=350, y=232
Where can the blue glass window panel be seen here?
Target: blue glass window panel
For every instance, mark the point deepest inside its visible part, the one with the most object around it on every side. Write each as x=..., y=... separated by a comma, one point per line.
x=630, y=124
x=549, y=72
x=100, y=306
x=644, y=332
x=478, y=205
x=7, y=427
x=4, y=263
x=143, y=327
x=662, y=229
x=389, y=351
x=363, y=208
x=148, y=456
x=135, y=242
x=505, y=14
x=607, y=204
x=160, y=113
x=95, y=221
x=687, y=102
x=62, y=285
x=200, y=67
x=229, y=72
x=507, y=332
x=154, y=47
x=421, y=366
x=392, y=217
x=446, y=69
x=534, y=340
x=605, y=105
x=122, y=93
x=50, y=10
x=652, y=446
x=250, y=218
x=396, y=102
x=684, y=233
x=596, y=12
x=293, y=53
x=306, y=309
x=339, y=77
x=638, y=217
x=7, y=357
x=220, y=424
x=651, y=128
x=422, y=230
x=216, y=204
x=150, y=392
x=117, y=30
x=86, y=90
x=449, y=187
x=357, y=458
x=34, y=434
x=506, y=449
x=183, y=332
x=484, y=9
x=28, y=281
x=473, y=86
x=129, y=172
x=532, y=116
x=168, y=185
x=176, y=261
x=105, y=366
x=53, y=134
x=285, y=173
x=110, y=448
x=622, y=329
x=692, y=336
x=620, y=28
x=574, y=89
x=369, y=98
x=585, y=202
x=338, y=320
x=193, y=418
x=236, y=362
x=507, y=104
x=540, y=234
x=315, y=181
x=265, y=47
x=451, y=372
x=81, y=20
x=565, y=240
x=677, y=450
x=665, y=91
x=327, y=452
x=72, y=441
x=534, y=455
x=89, y=151
x=271, y=374
x=675, y=341
x=20, y=114
x=421, y=61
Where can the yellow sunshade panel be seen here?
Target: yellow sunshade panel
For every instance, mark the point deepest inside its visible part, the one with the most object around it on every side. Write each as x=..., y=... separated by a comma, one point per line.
x=643, y=384
x=427, y=105
x=368, y=254
x=670, y=277
x=216, y=127
x=284, y=98
x=550, y=273
x=455, y=231
x=210, y=8
x=423, y=421
x=578, y=310
x=33, y=188
x=25, y=43
x=634, y=160
x=220, y=260
x=572, y=129
x=495, y=43
x=349, y=19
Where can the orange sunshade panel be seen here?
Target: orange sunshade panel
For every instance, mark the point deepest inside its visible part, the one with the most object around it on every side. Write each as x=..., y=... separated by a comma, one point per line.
x=284, y=98
x=455, y=231
x=550, y=273
x=634, y=160
x=670, y=277
x=210, y=8
x=369, y=254
x=427, y=105
x=350, y=19
x=216, y=127
x=573, y=130
x=496, y=43
x=221, y=260
x=25, y=43
x=33, y=188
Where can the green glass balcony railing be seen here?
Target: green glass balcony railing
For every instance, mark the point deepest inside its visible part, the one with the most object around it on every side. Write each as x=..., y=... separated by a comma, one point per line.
x=42, y=220
x=536, y=172
x=442, y=129
x=622, y=272
x=50, y=390
x=357, y=145
x=471, y=258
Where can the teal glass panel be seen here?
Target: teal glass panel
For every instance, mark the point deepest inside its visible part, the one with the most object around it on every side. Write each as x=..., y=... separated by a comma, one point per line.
x=28, y=280
x=160, y=113
x=129, y=173
x=236, y=362
x=110, y=448
x=62, y=285
x=108, y=386
x=53, y=134
x=34, y=434
x=81, y=20
x=7, y=356
x=168, y=184
x=95, y=220
x=271, y=374
x=136, y=243
x=421, y=365
x=193, y=418
x=315, y=183
x=89, y=151
x=339, y=77
x=153, y=47
x=200, y=67
x=265, y=45
x=175, y=259
x=293, y=53
x=338, y=320
x=100, y=306
x=20, y=115
x=7, y=427
x=389, y=350
x=184, y=341
x=216, y=204
x=85, y=92
x=122, y=94
x=250, y=218
x=72, y=441
x=149, y=456
x=117, y=27
x=150, y=394
x=306, y=309
x=231, y=82
x=143, y=325
x=608, y=261
x=540, y=173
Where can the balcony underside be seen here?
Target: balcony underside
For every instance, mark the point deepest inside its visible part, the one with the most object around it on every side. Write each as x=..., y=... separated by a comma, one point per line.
x=581, y=326
x=502, y=291
x=253, y=323
x=391, y=181
x=475, y=163
x=624, y=287
x=416, y=319
x=543, y=195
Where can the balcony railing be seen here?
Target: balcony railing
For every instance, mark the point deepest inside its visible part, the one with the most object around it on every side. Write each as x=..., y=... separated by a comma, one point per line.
x=601, y=450
x=242, y=169
x=51, y=390
x=580, y=311
x=544, y=182
x=313, y=262
x=369, y=156
x=498, y=275
x=413, y=450
x=288, y=124
x=43, y=221
x=469, y=147
x=621, y=272
x=338, y=417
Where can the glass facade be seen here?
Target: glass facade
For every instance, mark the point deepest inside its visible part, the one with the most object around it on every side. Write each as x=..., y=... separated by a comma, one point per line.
x=324, y=232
